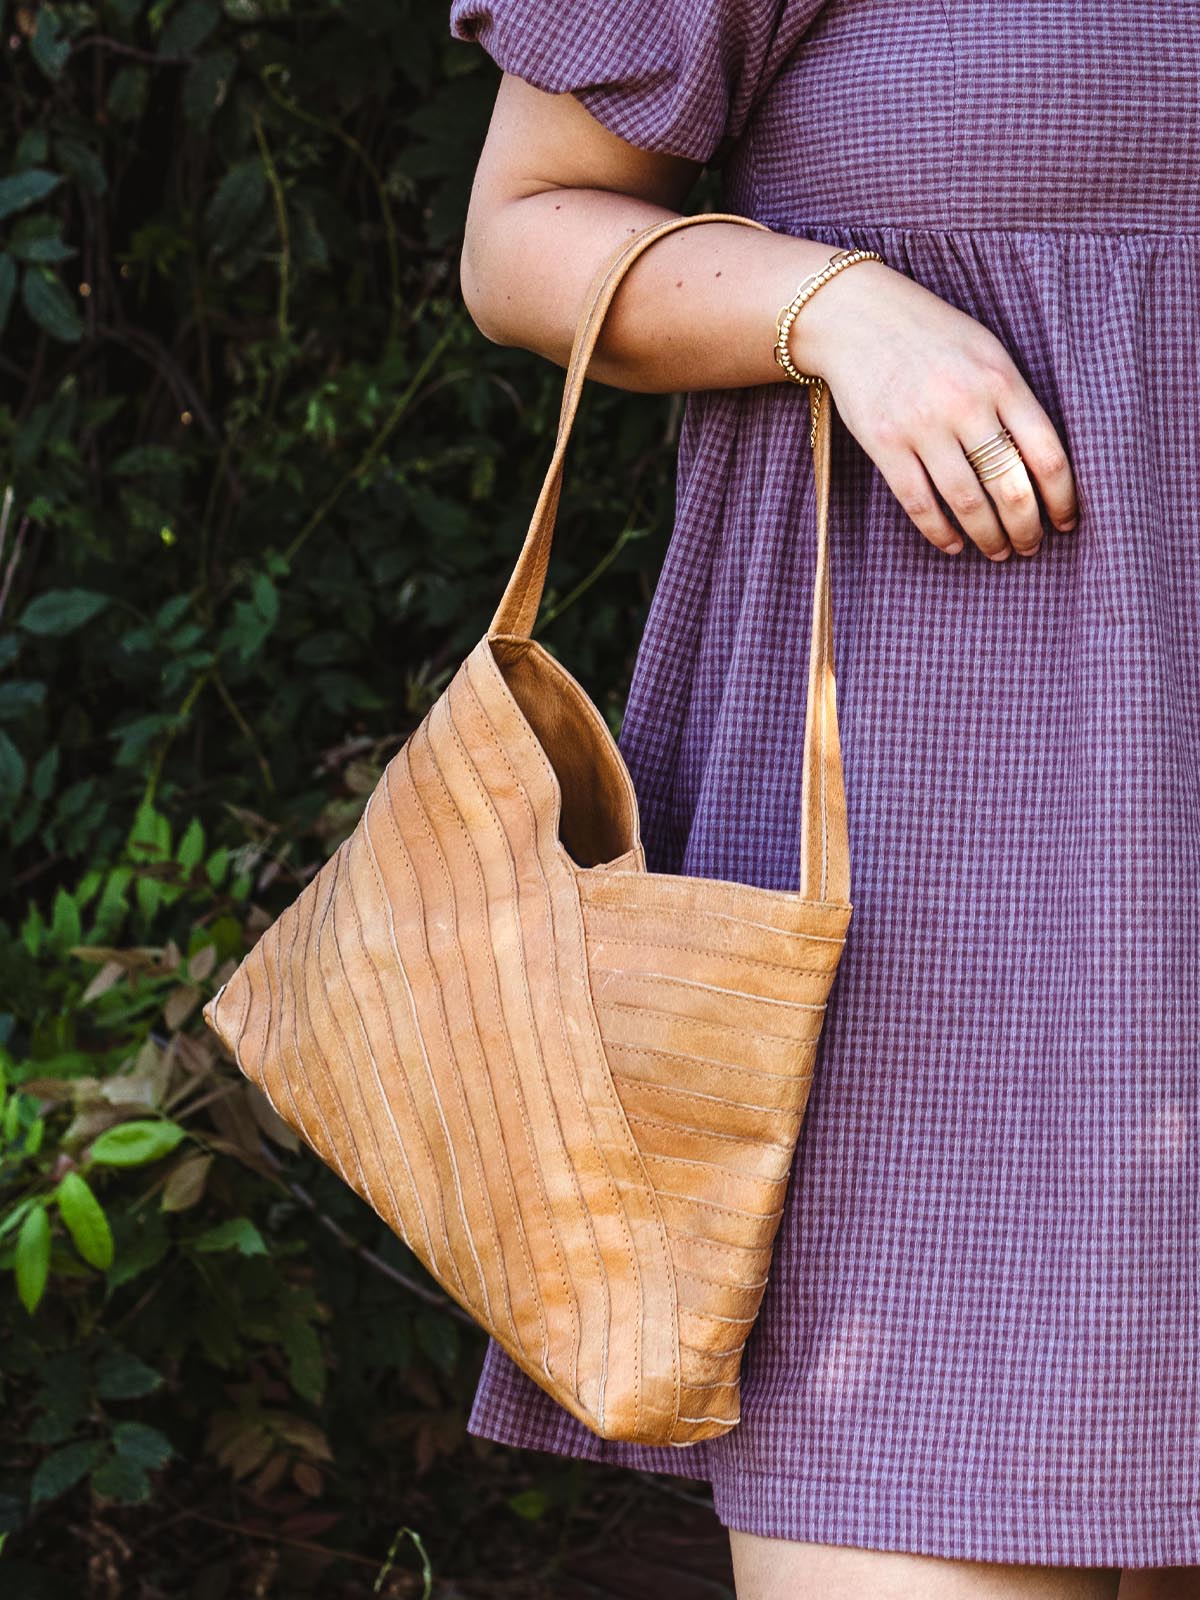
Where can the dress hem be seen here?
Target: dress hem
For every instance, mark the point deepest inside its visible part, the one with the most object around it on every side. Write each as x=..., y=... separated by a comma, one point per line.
x=918, y=1519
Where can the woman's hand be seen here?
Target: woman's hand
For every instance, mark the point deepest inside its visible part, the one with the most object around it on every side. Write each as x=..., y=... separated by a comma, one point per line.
x=916, y=381
x=919, y=382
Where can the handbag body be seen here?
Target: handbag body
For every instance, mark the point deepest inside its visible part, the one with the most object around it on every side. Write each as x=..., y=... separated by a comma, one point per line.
x=571, y=1086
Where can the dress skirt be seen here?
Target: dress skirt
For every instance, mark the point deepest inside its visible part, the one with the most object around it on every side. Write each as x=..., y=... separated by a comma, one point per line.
x=981, y=1332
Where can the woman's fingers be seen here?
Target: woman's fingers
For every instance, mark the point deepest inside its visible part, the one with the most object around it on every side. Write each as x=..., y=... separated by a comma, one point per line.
x=905, y=475
x=919, y=383
x=992, y=513
x=1041, y=449
x=1016, y=504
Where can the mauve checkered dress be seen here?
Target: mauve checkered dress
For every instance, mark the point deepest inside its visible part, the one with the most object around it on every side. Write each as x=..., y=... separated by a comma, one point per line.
x=981, y=1334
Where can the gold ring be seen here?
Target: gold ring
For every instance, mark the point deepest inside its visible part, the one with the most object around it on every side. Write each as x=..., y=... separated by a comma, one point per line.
x=993, y=455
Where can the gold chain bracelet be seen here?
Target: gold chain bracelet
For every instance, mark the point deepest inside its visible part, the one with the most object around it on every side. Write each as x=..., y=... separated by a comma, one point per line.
x=783, y=323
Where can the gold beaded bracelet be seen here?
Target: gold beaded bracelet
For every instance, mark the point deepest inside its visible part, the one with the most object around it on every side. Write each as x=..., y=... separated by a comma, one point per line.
x=783, y=323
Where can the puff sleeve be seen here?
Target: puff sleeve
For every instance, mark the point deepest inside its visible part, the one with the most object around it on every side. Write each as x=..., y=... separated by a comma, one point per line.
x=678, y=77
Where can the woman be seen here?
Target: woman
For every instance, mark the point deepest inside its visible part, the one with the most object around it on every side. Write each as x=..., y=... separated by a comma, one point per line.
x=975, y=1368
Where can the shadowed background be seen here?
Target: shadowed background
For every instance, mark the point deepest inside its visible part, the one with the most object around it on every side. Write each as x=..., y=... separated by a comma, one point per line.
x=262, y=482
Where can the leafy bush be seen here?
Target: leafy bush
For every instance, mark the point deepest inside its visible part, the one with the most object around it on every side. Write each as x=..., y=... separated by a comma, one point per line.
x=261, y=482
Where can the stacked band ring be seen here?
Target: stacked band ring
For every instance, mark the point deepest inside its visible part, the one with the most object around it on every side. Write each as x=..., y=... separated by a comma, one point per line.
x=993, y=455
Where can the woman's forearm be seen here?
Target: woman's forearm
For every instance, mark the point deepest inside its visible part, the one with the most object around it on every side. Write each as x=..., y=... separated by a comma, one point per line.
x=695, y=312
x=914, y=379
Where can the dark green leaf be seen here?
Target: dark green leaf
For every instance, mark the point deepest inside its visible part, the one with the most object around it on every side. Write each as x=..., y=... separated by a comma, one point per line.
x=45, y=773
x=128, y=94
x=12, y=773
x=81, y=162
x=47, y=47
x=141, y=1243
x=8, y=287
x=191, y=846
x=122, y=1480
x=144, y=1446
x=266, y=598
x=37, y=238
x=238, y=1233
x=64, y=1469
x=49, y=304
x=306, y=1363
x=66, y=925
x=64, y=1400
x=126, y=11
x=137, y=735
x=122, y=1376
x=206, y=87
x=187, y=27
x=240, y=197
x=26, y=189
x=17, y=697
x=61, y=611
x=73, y=801
x=439, y=1339
x=531, y=1504
x=149, y=461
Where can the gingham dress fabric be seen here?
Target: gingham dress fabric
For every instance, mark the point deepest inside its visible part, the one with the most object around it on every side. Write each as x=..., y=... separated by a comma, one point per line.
x=981, y=1332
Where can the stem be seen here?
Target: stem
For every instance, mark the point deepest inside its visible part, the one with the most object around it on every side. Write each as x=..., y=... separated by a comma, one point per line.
x=431, y=1296
x=627, y=532
x=160, y=755
x=287, y=104
x=247, y=731
x=285, y=251
x=373, y=449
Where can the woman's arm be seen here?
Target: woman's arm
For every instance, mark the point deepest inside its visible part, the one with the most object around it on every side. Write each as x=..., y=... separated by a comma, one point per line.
x=554, y=191
x=914, y=378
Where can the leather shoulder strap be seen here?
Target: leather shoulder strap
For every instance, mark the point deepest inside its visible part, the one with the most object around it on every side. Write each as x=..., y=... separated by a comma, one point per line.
x=824, y=852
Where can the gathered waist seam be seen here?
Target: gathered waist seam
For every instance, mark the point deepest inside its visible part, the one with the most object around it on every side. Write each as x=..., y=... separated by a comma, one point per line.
x=955, y=228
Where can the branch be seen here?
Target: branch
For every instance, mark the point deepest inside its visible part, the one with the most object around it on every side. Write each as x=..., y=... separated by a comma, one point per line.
x=431, y=1296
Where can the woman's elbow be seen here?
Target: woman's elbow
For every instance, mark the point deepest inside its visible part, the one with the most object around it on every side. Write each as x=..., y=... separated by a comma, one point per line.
x=477, y=286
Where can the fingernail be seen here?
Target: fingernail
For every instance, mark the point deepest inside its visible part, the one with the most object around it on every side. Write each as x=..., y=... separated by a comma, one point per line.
x=955, y=547
x=1070, y=525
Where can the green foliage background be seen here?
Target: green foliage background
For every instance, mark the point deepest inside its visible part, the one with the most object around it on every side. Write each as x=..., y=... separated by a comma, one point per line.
x=262, y=483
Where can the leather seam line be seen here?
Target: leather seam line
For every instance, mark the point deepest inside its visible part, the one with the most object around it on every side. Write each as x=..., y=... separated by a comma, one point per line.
x=668, y=883
x=711, y=1061
x=720, y=1283
x=710, y=1022
x=631, y=1254
x=565, y=1277
x=302, y=990
x=645, y=973
x=710, y=1245
x=717, y=955
x=422, y=1131
x=595, y=908
x=330, y=920
x=364, y=835
x=713, y=1166
x=480, y=788
x=713, y=1205
x=699, y=1094
x=713, y=1355
x=708, y=1133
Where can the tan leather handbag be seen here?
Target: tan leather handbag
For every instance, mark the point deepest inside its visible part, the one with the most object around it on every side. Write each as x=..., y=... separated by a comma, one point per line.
x=571, y=1086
